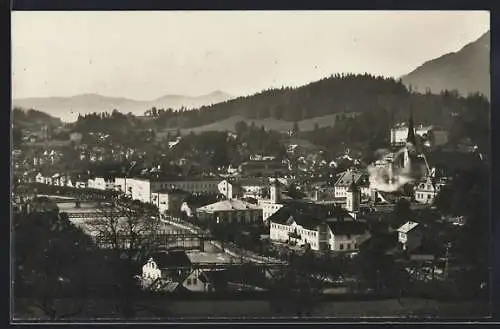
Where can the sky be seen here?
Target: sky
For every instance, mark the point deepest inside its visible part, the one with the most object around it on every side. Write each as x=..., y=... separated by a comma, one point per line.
x=145, y=55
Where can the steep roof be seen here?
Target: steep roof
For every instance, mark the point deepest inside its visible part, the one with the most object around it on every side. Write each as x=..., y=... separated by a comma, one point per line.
x=307, y=215
x=348, y=227
x=346, y=178
x=229, y=205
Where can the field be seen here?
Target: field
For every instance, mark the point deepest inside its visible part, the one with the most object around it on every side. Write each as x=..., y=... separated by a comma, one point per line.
x=269, y=123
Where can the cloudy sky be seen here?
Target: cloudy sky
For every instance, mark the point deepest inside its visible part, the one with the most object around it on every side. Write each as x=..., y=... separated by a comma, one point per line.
x=144, y=55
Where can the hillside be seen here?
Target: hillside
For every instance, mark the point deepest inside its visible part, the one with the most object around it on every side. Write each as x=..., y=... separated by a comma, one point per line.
x=467, y=70
x=68, y=108
x=33, y=119
x=268, y=123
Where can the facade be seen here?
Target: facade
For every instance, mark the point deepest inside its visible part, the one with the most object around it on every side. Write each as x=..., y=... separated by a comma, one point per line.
x=273, y=204
x=410, y=236
x=346, y=178
x=168, y=200
x=193, y=186
x=231, y=211
x=427, y=190
x=323, y=228
x=399, y=133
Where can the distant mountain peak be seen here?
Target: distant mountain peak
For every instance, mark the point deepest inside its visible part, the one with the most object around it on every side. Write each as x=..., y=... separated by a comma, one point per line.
x=466, y=70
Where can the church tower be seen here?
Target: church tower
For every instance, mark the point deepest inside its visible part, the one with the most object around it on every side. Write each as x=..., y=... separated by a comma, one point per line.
x=353, y=196
x=411, y=130
x=275, y=191
x=411, y=139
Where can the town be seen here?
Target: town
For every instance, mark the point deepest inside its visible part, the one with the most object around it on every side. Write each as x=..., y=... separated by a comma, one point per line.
x=250, y=165
x=384, y=227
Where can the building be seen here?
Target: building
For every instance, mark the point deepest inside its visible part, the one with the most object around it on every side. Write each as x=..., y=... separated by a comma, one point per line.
x=242, y=188
x=101, y=183
x=345, y=180
x=231, y=211
x=427, y=190
x=166, y=267
x=410, y=236
x=273, y=204
x=169, y=200
x=321, y=227
x=353, y=197
x=399, y=133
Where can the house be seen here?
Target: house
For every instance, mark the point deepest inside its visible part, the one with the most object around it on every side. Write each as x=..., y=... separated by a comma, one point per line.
x=142, y=188
x=345, y=179
x=410, y=236
x=231, y=211
x=322, y=227
x=162, y=267
x=427, y=190
x=246, y=187
x=40, y=178
x=168, y=200
x=101, y=183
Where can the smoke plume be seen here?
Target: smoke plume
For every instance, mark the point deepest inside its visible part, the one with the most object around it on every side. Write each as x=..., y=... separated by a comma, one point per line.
x=390, y=177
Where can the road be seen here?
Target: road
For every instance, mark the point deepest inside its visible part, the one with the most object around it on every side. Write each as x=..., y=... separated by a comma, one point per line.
x=229, y=249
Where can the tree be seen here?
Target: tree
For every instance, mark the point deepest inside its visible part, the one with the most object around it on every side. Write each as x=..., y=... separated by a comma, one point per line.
x=48, y=263
x=298, y=288
x=240, y=127
x=295, y=128
x=129, y=230
x=401, y=212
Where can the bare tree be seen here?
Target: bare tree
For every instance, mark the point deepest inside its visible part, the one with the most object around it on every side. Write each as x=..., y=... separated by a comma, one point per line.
x=129, y=231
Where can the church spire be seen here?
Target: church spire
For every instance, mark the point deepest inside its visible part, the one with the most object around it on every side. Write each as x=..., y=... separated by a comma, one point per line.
x=411, y=129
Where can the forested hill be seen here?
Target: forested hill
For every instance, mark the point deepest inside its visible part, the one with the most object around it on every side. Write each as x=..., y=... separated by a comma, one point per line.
x=335, y=94
x=22, y=118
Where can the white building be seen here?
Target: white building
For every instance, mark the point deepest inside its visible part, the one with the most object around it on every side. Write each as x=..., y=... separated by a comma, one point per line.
x=168, y=200
x=399, y=133
x=345, y=180
x=327, y=229
x=231, y=211
x=410, y=236
x=273, y=204
x=427, y=190
x=101, y=183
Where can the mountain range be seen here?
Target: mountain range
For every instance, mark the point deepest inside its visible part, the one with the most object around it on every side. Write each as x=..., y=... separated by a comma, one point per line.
x=68, y=108
x=467, y=70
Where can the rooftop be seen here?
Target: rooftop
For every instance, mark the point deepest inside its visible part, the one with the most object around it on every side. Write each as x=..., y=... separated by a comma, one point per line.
x=346, y=178
x=197, y=257
x=407, y=227
x=229, y=205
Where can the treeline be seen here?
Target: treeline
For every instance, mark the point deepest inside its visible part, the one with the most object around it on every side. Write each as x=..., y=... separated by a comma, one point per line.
x=22, y=118
x=335, y=94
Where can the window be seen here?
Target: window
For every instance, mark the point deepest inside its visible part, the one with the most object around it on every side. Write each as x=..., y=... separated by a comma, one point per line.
x=348, y=246
x=355, y=246
x=195, y=281
x=341, y=246
x=348, y=236
x=188, y=282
